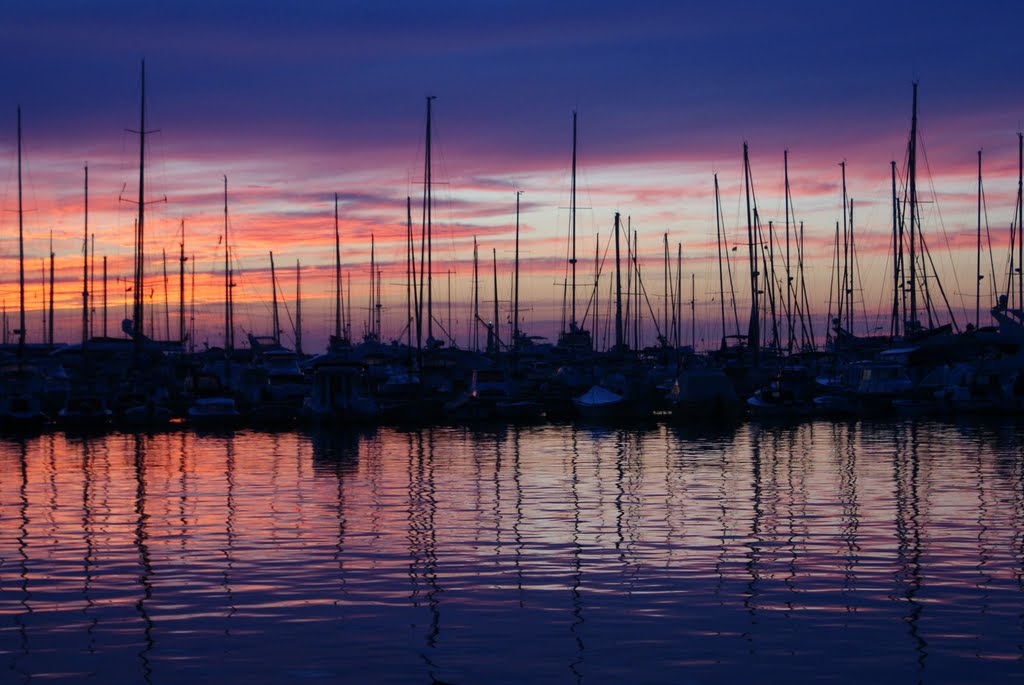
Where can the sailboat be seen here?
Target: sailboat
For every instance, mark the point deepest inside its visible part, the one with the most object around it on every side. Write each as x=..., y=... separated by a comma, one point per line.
x=574, y=338
x=22, y=385
x=214, y=406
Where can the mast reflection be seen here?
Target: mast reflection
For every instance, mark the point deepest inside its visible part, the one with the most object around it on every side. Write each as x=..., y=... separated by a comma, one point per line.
x=141, y=542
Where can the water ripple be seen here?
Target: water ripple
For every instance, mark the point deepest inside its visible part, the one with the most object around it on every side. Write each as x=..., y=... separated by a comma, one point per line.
x=545, y=554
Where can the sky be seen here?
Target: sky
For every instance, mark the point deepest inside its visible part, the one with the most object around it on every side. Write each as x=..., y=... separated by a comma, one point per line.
x=294, y=102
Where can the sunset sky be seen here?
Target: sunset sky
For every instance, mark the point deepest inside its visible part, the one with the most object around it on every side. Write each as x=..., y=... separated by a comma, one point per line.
x=294, y=102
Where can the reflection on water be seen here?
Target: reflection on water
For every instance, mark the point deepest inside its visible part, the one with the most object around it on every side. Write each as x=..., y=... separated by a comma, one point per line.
x=553, y=554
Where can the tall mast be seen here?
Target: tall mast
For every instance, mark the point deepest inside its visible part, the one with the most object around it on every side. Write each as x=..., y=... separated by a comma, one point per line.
x=105, y=296
x=618, y=290
x=668, y=278
x=167, y=299
x=572, y=221
x=515, y=289
x=410, y=260
x=140, y=277
x=298, y=308
x=597, y=290
x=897, y=256
x=721, y=276
x=494, y=271
x=428, y=272
x=21, y=254
x=42, y=283
x=370, y=309
x=92, y=283
x=337, y=273
x=853, y=270
x=417, y=295
x=636, y=290
x=274, y=311
x=789, y=277
x=181, y=285
x=227, y=277
x=806, y=319
x=49, y=329
x=912, y=161
x=772, y=281
x=679, y=297
x=693, y=310
x=476, y=298
x=1020, y=207
x=191, y=306
x=846, y=292
x=753, y=328
x=831, y=323
x=977, y=287
x=85, y=263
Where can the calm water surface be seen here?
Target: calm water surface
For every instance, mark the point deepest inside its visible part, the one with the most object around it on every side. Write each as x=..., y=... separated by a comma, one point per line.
x=552, y=554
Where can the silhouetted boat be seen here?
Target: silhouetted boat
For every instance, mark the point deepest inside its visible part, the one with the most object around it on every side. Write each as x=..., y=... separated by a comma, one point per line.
x=214, y=412
x=600, y=403
x=85, y=411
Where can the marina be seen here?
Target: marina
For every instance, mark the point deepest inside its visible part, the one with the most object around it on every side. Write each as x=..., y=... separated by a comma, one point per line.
x=469, y=343
x=778, y=368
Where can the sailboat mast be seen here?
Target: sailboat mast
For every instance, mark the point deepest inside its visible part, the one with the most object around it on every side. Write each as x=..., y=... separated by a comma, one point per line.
x=410, y=260
x=912, y=162
x=167, y=299
x=417, y=294
x=721, y=275
x=104, y=296
x=227, y=276
x=92, y=283
x=181, y=285
x=49, y=329
x=476, y=297
x=337, y=273
x=977, y=287
x=809, y=342
x=298, y=308
x=845, y=304
x=274, y=311
x=515, y=289
x=85, y=263
x=636, y=290
x=693, y=311
x=572, y=221
x=137, y=325
x=789, y=277
x=1020, y=207
x=753, y=328
x=191, y=305
x=772, y=285
x=679, y=296
x=494, y=271
x=428, y=220
x=21, y=253
x=853, y=270
x=618, y=290
x=42, y=284
x=897, y=256
x=668, y=278
x=370, y=310
x=597, y=291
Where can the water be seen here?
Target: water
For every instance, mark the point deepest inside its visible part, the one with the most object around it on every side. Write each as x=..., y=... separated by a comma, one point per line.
x=552, y=554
